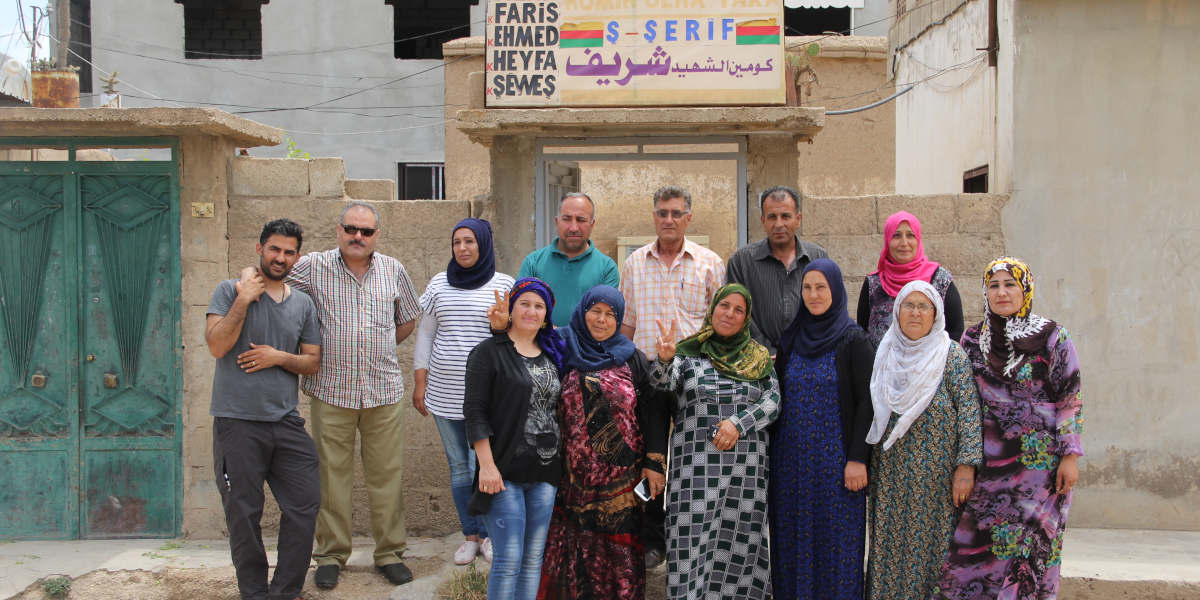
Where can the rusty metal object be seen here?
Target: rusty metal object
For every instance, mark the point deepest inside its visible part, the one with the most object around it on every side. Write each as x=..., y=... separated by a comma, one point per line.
x=38, y=380
x=55, y=88
x=110, y=380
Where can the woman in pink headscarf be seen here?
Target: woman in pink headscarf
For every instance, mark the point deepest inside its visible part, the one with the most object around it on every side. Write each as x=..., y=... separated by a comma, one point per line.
x=903, y=260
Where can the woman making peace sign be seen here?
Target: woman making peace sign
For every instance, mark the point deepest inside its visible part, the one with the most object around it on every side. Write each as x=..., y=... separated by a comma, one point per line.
x=717, y=489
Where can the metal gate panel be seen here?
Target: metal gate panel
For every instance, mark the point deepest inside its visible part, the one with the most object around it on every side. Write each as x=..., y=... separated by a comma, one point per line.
x=90, y=363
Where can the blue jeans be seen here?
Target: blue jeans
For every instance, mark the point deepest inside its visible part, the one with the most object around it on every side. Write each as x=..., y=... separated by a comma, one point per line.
x=518, y=522
x=461, y=457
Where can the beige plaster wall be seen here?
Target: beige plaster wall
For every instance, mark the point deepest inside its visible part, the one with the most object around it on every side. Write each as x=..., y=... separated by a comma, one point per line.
x=1104, y=208
x=854, y=154
x=248, y=193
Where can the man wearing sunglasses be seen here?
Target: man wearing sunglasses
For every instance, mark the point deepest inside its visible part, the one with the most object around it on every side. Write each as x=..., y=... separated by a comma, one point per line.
x=366, y=305
x=670, y=281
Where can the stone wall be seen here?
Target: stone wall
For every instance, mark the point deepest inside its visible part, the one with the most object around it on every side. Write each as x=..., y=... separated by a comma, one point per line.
x=312, y=193
x=960, y=231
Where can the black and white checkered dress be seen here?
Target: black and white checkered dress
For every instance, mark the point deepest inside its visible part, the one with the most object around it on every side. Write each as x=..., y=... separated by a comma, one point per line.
x=717, y=501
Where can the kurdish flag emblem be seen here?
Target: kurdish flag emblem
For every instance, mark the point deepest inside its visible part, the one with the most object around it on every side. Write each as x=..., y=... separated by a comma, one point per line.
x=757, y=32
x=581, y=35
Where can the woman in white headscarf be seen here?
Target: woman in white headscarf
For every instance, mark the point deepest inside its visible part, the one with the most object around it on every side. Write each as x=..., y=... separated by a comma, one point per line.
x=926, y=432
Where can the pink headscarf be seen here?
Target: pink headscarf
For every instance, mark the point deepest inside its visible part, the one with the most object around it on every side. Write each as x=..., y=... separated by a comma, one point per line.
x=893, y=275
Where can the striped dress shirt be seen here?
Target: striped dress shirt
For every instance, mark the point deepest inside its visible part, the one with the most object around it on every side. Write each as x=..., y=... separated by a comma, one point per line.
x=681, y=291
x=359, y=368
x=454, y=321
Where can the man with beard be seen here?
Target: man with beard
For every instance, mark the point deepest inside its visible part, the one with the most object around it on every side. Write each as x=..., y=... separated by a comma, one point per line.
x=571, y=265
x=264, y=334
x=366, y=305
x=772, y=268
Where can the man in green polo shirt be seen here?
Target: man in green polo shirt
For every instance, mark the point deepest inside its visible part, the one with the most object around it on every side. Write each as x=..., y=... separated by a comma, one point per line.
x=571, y=265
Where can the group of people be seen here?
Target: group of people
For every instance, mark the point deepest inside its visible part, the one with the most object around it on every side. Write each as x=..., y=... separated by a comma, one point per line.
x=735, y=421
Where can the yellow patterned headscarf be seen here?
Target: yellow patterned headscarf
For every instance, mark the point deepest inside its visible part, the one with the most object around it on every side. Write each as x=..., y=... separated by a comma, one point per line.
x=1010, y=342
x=1020, y=272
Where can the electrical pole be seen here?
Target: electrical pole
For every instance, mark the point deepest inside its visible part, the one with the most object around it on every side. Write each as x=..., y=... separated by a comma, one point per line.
x=62, y=19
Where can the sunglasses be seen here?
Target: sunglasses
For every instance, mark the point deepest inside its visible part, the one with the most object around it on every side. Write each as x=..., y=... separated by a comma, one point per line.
x=366, y=231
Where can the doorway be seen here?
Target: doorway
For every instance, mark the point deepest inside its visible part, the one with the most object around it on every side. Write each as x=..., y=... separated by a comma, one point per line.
x=621, y=175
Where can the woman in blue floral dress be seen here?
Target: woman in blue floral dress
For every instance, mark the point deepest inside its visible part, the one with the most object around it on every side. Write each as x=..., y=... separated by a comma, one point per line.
x=1008, y=545
x=819, y=452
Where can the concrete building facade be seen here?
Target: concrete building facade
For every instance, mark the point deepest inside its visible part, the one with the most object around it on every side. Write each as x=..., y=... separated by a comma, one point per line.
x=326, y=73
x=1086, y=121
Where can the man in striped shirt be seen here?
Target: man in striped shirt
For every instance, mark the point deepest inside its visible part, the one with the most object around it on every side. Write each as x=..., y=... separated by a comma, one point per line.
x=366, y=305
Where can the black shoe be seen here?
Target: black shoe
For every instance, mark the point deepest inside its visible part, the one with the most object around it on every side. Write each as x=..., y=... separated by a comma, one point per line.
x=326, y=576
x=654, y=557
x=396, y=573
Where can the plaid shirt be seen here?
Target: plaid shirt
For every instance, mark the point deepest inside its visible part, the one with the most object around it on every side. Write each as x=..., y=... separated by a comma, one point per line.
x=681, y=291
x=359, y=368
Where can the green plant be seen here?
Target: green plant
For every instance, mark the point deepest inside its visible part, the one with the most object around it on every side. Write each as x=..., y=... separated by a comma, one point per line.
x=466, y=584
x=803, y=75
x=171, y=545
x=294, y=151
x=43, y=64
x=57, y=586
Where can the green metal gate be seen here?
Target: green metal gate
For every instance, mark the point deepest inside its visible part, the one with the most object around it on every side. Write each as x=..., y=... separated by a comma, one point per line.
x=90, y=353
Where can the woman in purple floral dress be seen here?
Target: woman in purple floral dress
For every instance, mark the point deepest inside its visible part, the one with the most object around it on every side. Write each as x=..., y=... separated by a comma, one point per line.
x=1008, y=544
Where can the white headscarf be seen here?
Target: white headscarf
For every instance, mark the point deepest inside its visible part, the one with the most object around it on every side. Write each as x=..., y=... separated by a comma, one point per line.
x=907, y=372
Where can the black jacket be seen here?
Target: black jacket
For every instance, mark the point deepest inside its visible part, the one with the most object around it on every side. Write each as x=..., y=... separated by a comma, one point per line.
x=854, y=359
x=496, y=404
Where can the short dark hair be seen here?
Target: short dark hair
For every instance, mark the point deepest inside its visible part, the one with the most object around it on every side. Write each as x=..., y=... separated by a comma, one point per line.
x=578, y=195
x=667, y=192
x=284, y=227
x=777, y=193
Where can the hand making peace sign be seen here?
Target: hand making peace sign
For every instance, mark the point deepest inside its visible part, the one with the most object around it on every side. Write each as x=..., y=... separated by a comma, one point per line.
x=497, y=313
x=666, y=340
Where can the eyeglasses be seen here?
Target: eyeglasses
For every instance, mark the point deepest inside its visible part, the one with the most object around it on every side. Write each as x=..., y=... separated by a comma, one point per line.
x=366, y=231
x=917, y=308
x=674, y=214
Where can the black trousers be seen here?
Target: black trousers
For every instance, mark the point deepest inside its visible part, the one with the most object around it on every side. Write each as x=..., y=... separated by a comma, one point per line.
x=654, y=521
x=245, y=454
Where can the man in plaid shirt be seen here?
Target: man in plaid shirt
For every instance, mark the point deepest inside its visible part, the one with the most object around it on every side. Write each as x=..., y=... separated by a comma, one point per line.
x=366, y=305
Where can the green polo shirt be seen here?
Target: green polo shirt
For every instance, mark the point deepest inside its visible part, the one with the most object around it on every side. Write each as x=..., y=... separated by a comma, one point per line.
x=569, y=278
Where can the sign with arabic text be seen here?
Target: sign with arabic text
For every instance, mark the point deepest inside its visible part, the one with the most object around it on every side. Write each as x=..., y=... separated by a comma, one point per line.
x=552, y=53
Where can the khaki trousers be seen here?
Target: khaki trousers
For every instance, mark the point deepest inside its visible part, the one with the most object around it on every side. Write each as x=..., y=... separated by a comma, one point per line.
x=334, y=431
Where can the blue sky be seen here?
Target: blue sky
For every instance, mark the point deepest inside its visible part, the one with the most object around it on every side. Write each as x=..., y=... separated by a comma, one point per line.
x=10, y=31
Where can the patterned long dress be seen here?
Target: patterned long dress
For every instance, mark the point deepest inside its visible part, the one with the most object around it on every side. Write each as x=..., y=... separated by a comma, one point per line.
x=717, y=501
x=882, y=303
x=912, y=506
x=1008, y=544
x=594, y=547
x=817, y=525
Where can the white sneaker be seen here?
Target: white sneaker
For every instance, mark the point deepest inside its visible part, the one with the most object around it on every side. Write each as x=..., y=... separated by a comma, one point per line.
x=466, y=552
x=486, y=549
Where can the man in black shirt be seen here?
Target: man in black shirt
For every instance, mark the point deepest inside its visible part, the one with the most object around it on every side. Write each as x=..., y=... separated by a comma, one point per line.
x=772, y=268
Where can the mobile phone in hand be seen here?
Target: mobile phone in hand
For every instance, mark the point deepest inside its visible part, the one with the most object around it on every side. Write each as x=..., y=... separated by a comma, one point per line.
x=642, y=490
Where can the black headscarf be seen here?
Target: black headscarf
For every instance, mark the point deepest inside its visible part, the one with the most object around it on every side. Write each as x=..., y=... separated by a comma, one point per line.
x=816, y=335
x=484, y=268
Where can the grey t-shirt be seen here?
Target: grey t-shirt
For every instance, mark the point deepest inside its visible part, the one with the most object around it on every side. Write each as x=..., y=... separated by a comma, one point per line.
x=270, y=394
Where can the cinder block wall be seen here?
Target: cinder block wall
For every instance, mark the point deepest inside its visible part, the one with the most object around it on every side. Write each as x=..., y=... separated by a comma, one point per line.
x=313, y=193
x=960, y=231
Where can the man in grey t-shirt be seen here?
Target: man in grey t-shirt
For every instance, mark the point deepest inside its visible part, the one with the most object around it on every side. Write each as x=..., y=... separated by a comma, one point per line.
x=264, y=334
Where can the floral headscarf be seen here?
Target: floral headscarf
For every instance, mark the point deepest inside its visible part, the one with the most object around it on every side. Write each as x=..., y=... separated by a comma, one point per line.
x=1010, y=342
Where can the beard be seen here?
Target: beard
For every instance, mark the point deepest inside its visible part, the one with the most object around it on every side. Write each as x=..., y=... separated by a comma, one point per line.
x=264, y=267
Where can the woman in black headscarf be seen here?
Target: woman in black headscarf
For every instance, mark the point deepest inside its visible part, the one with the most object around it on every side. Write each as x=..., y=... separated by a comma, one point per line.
x=819, y=452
